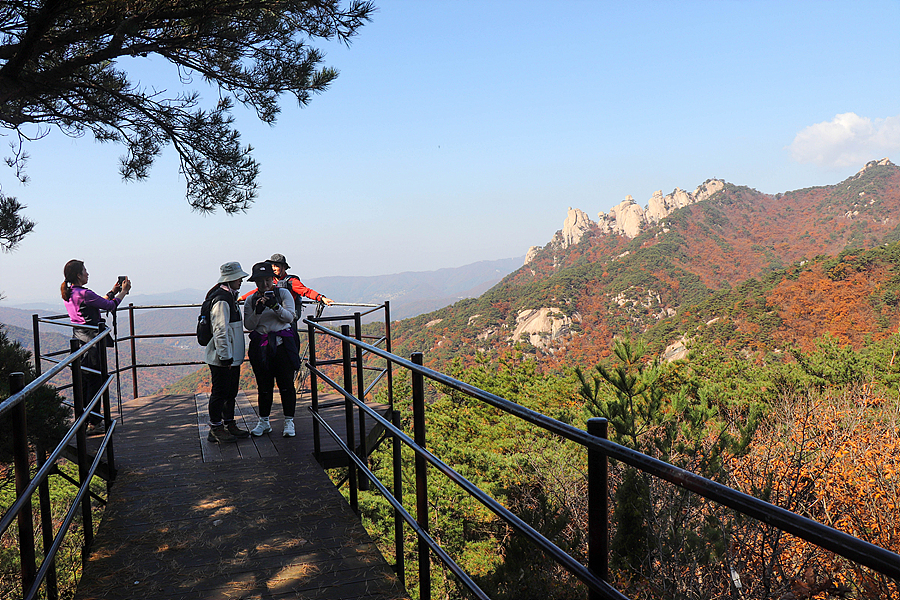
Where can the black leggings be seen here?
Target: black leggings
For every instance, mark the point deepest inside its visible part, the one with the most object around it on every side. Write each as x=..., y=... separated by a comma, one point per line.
x=275, y=369
x=225, y=384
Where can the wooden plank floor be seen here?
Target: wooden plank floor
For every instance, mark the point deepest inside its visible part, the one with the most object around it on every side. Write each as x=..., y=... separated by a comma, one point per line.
x=256, y=519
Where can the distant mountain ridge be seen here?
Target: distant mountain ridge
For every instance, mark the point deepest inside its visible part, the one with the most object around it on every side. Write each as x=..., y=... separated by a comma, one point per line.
x=410, y=292
x=414, y=292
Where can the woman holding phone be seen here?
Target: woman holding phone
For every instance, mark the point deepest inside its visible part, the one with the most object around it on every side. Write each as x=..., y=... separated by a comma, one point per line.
x=268, y=315
x=84, y=308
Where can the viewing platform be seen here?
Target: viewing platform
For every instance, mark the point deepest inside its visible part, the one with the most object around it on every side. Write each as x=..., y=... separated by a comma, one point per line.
x=259, y=518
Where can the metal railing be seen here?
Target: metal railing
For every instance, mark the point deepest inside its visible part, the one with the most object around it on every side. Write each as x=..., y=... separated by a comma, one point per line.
x=32, y=576
x=382, y=373
x=133, y=338
x=70, y=360
x=599, y=450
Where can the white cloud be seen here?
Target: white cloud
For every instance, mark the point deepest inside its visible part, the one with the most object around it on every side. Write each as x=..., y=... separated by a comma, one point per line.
x=847, y=140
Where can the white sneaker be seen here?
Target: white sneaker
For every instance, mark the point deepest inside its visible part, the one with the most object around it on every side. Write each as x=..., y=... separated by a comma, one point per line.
x=289, y=427
x=261, y=427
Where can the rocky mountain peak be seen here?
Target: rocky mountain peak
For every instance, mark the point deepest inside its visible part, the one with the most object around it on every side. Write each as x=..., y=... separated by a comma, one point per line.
x=884, y=162
x=627, y=217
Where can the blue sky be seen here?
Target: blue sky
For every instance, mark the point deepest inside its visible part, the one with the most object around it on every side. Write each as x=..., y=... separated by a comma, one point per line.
x=461, y=131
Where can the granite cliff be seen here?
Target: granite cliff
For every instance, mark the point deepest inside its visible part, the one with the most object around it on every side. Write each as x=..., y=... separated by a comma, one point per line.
x=627, y=217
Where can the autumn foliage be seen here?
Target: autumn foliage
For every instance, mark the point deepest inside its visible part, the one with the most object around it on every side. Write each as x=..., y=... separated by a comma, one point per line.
x=835, y=460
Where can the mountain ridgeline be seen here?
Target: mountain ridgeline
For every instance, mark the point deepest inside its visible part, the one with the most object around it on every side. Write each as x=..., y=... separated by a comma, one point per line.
x=765, y=272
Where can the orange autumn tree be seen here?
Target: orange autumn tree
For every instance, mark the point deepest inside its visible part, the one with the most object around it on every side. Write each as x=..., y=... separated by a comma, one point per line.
x=834, y=459
x=817, y=302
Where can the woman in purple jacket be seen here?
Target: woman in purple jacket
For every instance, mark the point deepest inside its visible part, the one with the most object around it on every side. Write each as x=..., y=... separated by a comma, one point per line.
x=84, y=307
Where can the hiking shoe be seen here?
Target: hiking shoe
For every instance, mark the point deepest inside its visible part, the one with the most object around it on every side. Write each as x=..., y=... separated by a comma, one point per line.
x=261, y=427
x=289, y=427
x=96, y=428
x=236, y=431
x=219, y=435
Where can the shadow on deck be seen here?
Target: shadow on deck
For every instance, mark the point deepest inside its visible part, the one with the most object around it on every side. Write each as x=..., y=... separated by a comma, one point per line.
x=257, y=519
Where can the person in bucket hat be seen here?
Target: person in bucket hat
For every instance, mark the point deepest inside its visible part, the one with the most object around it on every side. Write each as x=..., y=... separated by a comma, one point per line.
x=269, y=314
x=225, y=353
x=292, y=283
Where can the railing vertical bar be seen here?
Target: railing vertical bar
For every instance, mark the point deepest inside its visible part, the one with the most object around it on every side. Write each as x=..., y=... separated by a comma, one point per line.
x=314, y=390
x=36, y=327
x=361, y=451
x=598, y=515
x=115, y=339
x=81, y=442
x=133, y=350
x=387, y=346
x=107, y=410
x=28, y=565
x=399, y=560
x=47, y=526
x=418, y=399
x=351, y=435
x=52, y=588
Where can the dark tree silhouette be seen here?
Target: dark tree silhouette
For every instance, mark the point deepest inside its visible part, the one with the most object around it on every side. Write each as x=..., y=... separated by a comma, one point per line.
x=58, y=68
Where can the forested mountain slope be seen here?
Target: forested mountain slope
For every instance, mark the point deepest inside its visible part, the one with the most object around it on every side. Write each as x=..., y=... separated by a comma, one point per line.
x=789, y=266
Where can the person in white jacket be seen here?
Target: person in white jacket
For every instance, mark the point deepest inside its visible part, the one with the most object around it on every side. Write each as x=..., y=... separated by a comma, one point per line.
x=269, y=314
x=225, y=353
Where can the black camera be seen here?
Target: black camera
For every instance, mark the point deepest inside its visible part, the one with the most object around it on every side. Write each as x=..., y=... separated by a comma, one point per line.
x=122, y=279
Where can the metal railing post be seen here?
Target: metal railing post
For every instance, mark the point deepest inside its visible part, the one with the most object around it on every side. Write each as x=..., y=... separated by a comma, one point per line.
x=598, y=499
x=28, y=566
x=387, y=346
x=47, y=525
x=418, y=399
x=107, y=410
x=362, y=450
x=348, y=409
x=81, y=442
x=36, y=326
x=133, y=350
x=314, y=391
x=399, y=560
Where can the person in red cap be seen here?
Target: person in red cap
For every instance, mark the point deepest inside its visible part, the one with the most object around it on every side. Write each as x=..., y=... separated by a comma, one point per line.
x=291, y=283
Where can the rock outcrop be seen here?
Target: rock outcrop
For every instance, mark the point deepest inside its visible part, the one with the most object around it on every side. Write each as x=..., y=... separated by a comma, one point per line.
x=532, y=252
x=574, y=227
x=872, y=163
x=628, y=218
x=542, y=326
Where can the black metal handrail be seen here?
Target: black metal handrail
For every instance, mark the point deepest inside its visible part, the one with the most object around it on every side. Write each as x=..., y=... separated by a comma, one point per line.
x=382, y=373
x=26, y=486
x=133, y=337
x=599, y=450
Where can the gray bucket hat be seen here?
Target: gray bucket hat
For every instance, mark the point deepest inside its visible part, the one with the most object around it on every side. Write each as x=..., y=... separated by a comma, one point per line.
x=231, y=271
x=279, y=258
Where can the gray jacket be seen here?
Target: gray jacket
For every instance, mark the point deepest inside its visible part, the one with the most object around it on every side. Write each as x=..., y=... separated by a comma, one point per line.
x=228, y=336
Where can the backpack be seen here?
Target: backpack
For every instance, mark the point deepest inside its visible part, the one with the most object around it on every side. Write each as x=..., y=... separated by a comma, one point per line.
x=204, y=327
x=286, y=284
x=204, y=321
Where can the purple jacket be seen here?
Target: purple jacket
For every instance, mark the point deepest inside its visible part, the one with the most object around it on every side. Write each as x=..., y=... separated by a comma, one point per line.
x=84, y=306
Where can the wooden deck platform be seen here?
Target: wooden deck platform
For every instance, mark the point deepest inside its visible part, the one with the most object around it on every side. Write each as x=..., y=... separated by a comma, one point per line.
x=187, y=519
